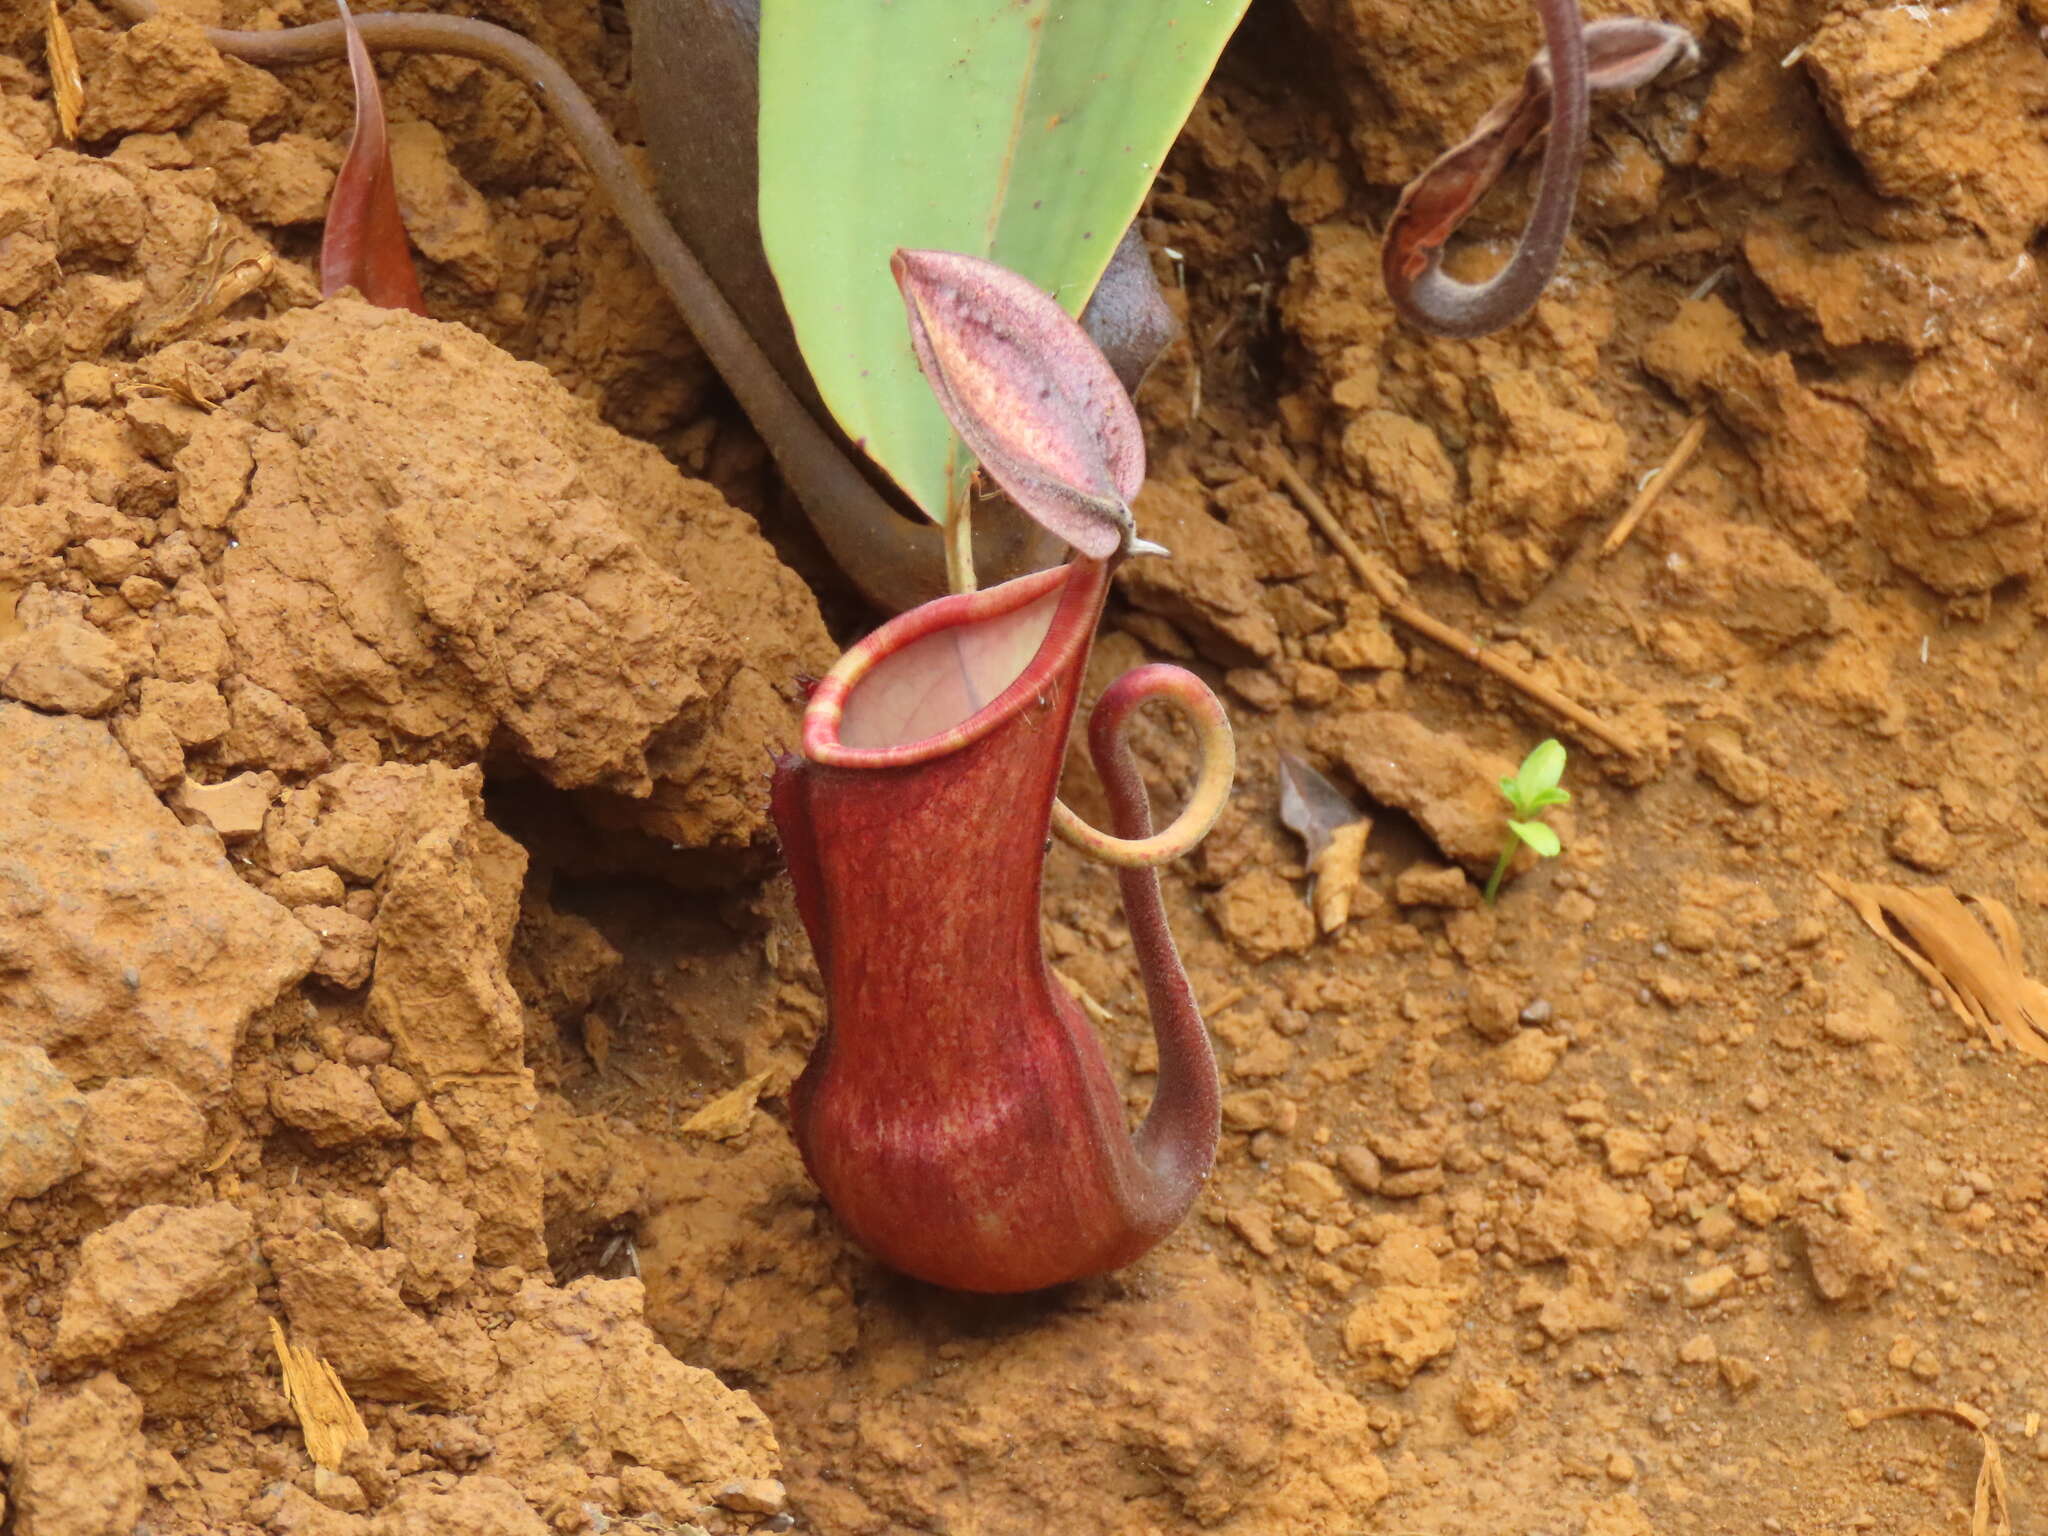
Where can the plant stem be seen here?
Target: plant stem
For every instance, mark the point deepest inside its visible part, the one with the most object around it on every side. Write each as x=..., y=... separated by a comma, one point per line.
x=1507, y=855
x=960, y=545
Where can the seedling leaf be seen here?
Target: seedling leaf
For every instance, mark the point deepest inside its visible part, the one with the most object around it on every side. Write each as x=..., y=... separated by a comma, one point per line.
x=1025, y=133
x=364, y=245
x=1542, y=768
x=1530, y=791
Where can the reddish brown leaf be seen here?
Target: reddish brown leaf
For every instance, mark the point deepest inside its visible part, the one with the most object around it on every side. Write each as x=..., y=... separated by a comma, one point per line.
x=1032, y=397
x=364, y=246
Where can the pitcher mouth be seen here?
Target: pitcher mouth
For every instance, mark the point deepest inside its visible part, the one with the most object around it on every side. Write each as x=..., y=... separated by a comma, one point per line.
x=944, y=675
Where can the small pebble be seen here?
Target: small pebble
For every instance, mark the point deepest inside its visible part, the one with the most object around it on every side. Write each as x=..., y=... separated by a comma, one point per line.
x=366, y=1051
x=1708, y=1286
x=1538, y=1012
x=752, y=1496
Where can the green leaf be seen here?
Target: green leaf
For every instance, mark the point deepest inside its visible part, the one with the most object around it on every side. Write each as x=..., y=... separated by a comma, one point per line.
x=1542, y=768
x=1027, y=133
x=1537, y=836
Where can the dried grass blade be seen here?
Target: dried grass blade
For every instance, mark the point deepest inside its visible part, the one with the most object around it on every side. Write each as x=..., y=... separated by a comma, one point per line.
x=327, y=1415
x=67, y=82
x=2030, y=996
x=731, y=1112
x=1984, y=981
x=210, y=289
x=1391, y=591
x=1991, y=1502
x=180, y=388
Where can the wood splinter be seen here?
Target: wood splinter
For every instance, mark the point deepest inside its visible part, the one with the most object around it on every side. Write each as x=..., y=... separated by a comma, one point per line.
x=1660, y=480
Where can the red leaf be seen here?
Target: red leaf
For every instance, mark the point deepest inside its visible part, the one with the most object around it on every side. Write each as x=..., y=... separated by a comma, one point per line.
x=1032, y=397
x=365, y=246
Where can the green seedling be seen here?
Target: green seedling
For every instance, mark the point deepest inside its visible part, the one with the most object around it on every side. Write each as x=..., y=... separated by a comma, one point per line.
x=1530, y=792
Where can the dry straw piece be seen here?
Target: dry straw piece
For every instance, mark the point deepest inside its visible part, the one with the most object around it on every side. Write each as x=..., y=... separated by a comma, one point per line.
x=1660, y=481
x=67, y=84
x=220, y=280
x=1332, y=833
x=1336, y=871
x=1991, y=1508
x=327, y=1417
x=1084, y=997
x=731, y=1112
x=1985, y=982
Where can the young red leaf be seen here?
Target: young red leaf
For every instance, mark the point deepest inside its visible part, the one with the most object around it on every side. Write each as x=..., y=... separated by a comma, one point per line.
x=1032, y=397
x=364, y=246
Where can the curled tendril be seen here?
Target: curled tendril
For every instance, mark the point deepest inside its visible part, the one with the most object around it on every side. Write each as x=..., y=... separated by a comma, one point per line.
x=1433, y=205
x=1619, y=53
x=1118, y=769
